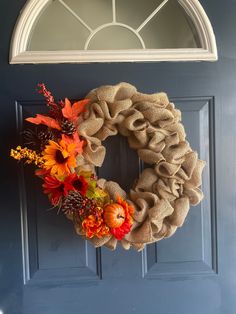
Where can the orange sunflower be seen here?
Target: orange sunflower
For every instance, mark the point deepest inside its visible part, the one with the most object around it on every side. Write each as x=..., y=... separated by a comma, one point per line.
x=60, y=157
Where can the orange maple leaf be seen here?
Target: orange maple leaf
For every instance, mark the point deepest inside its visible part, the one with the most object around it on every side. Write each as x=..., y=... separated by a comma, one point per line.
x=75, y=140
x=41, y=119
x=71, y=112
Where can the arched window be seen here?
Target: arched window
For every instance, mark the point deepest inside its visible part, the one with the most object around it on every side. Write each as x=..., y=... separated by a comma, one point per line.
x=55, y=31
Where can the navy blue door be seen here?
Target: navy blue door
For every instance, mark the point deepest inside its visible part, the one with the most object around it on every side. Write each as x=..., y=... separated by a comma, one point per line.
x=53, y=271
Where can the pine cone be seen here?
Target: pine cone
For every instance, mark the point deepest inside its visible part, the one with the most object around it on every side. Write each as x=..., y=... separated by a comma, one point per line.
x=76, y=203
x=44, y=137
x=67, y=127
x=39, y=137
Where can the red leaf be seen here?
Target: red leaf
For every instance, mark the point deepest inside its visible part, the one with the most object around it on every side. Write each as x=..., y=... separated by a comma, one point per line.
x=71, y=112
x=79, y=106
x=79, y=143
x=67, y=110
x=41, y=119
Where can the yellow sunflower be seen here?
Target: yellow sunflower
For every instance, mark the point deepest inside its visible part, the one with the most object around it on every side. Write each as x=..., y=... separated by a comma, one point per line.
x=59, y=158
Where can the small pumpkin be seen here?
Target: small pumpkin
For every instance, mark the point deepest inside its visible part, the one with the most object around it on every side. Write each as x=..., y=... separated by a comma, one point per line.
x=114, y=215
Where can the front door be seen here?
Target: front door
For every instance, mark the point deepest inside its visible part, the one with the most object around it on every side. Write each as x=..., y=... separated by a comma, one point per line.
x=52, y=270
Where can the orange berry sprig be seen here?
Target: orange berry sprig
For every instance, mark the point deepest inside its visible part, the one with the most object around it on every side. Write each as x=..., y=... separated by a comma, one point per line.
x=30, y=156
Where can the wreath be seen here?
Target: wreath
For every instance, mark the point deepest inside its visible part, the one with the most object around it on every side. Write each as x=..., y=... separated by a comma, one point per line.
x=66, y=147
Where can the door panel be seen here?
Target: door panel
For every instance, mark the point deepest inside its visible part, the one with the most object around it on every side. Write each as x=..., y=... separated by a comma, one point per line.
x=192, y=250
x=52, y=251
x=193, y=271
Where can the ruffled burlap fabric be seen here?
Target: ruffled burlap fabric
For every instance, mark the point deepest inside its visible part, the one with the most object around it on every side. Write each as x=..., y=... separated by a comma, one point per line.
x=164, y=192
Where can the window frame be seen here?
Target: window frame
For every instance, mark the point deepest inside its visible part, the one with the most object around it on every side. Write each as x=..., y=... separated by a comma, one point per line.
x=31, y=12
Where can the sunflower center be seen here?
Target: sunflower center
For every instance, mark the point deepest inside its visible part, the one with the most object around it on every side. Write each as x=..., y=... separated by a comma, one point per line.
x=77, y=184
x=60, y=158
x=61, y=188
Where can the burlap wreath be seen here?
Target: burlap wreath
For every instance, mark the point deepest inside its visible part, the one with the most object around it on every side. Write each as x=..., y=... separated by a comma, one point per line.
x=164, y=192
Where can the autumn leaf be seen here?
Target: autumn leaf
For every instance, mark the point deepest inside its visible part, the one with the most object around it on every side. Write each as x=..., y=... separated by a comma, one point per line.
x=41, y=119
x=41, y=172
x=86, y=174
x=75, y=140
x=71, y=112
x=79, y=143
x=98, y=194
x=79, y=106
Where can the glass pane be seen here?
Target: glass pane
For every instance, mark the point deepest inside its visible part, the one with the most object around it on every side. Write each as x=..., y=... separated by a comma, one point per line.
x=57, y=29
x=134, y=12
x=170, y=28
x=67, y=24
x=93, y=12
x=119, y=38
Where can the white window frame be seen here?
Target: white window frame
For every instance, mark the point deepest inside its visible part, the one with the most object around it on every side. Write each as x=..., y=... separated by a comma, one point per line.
x=33, y=9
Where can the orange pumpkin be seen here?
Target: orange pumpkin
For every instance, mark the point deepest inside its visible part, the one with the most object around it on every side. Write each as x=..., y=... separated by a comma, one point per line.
x=114, y=215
